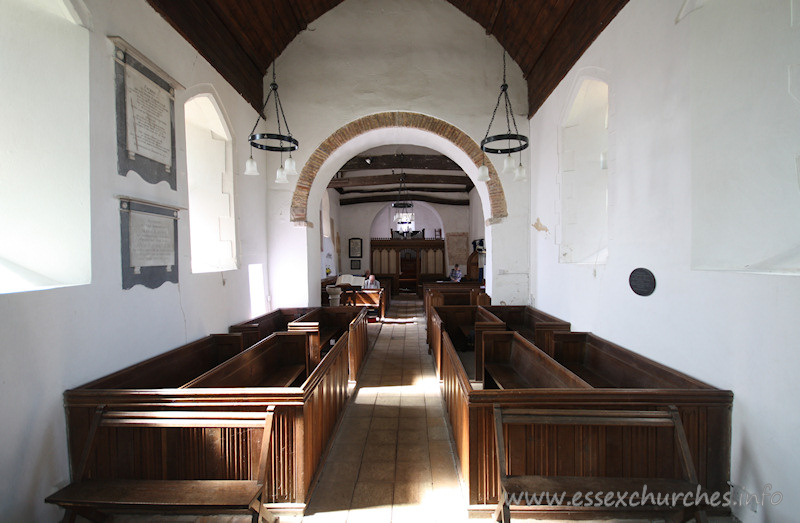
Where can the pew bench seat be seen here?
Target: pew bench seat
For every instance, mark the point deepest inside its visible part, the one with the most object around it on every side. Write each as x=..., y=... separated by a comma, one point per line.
x=284, y=376
x=595, y=379
x=506, y=377
x=183, y=496
x=325, y=337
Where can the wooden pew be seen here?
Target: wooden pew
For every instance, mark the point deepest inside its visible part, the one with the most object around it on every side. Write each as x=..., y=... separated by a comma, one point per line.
x=705, y=413
x=479, y=297
x=512, y=362
x=465, y=324
x=256, y=329
x=374, y=299
x=514, y=486
x=533, y=324
x=174, y=368
x=604, y=364
x=128, y=449
x=94, y=499
x=454, y=293
x=357, y=345
x=322, y=326
x=447, y=293
x=281, y=360
x=431, y=298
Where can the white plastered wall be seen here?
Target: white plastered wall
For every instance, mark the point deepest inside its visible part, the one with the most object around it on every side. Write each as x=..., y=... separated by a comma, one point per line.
x=53, y=340
x=365, y=57
x=736, y=331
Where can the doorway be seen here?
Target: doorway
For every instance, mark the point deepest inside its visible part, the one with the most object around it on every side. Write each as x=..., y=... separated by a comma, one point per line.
x=408, y=271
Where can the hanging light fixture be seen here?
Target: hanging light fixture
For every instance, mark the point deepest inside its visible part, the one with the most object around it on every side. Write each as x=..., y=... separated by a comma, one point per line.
x=276, y=142
x=403, y=207
x=483, y=171
x=250, y=166
x=509, y=167
x=266, y=141
x=519, y=172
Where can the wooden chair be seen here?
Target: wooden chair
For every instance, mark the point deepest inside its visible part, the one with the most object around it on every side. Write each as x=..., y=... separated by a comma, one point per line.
x=517, y=486
x=94, y=498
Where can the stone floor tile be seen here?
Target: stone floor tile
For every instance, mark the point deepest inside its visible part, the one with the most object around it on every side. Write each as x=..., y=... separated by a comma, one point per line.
x=369, y=494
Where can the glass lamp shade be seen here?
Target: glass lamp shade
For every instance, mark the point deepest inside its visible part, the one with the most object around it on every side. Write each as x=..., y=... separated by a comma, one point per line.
x=519, y=174
x=483, y=173
x=508, y=166
x=281, y=176
x=290, y=167
x=250, y=167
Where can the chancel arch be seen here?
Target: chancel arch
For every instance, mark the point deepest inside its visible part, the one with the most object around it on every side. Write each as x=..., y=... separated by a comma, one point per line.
x=386, y=129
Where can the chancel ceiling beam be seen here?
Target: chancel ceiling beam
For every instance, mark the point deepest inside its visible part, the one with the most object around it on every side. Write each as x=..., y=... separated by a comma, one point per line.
x=432, y=162
x=453, y=190
x=393, y=198
x=394, y=179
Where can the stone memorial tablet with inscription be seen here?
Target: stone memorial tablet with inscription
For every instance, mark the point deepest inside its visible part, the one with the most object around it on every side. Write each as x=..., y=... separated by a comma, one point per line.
x=152, y=240
x=149, y=122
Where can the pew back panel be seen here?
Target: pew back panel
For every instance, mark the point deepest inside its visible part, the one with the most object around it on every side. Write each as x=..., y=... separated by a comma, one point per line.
x=176, y=367
x=256, y=329
x=465, y=324
x=277, y=361
x=515, y=363
x=533, y=324
x=605, y=364
x=323, y=326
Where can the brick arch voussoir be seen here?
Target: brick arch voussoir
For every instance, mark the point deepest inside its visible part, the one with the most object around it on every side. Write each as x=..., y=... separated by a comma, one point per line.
x=299, y=206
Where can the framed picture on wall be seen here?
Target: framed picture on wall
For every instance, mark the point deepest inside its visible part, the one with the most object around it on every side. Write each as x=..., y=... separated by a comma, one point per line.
x=355, y=265
x=355, y=247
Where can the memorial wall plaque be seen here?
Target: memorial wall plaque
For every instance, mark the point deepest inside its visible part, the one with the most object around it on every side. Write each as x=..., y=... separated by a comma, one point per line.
x=152, y=240
x=149, y=247
x=148, y=117
x=145, y=108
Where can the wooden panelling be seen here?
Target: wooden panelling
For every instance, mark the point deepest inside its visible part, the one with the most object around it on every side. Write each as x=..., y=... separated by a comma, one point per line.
x=358, y=344
x=583, y=451
x=256, y=329
x=322, y=326
x=194, y=449
x=176, y=367
x=535, y=325
x=465, y=325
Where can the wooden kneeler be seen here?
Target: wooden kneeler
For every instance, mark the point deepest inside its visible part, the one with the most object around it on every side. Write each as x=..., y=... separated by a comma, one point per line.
x=93, y=498
x=579, y=484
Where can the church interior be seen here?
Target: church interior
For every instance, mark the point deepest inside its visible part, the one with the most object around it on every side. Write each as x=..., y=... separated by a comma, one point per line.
x=193, y=193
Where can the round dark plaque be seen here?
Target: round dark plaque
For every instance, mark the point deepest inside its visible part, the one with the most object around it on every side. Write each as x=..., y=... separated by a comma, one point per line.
x=642, y=282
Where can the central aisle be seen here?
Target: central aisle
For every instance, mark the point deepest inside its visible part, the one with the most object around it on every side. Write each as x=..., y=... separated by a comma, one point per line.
x=392, y=458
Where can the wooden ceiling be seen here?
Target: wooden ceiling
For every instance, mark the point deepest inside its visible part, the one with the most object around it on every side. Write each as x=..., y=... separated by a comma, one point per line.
x=544, y=37
x=427, y=176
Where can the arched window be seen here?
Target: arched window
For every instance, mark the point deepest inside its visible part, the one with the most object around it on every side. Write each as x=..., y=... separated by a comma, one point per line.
x=212, y=228
x=583, y=158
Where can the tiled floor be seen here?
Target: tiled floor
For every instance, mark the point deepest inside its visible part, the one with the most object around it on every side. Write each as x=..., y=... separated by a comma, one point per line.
x=392, y=458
